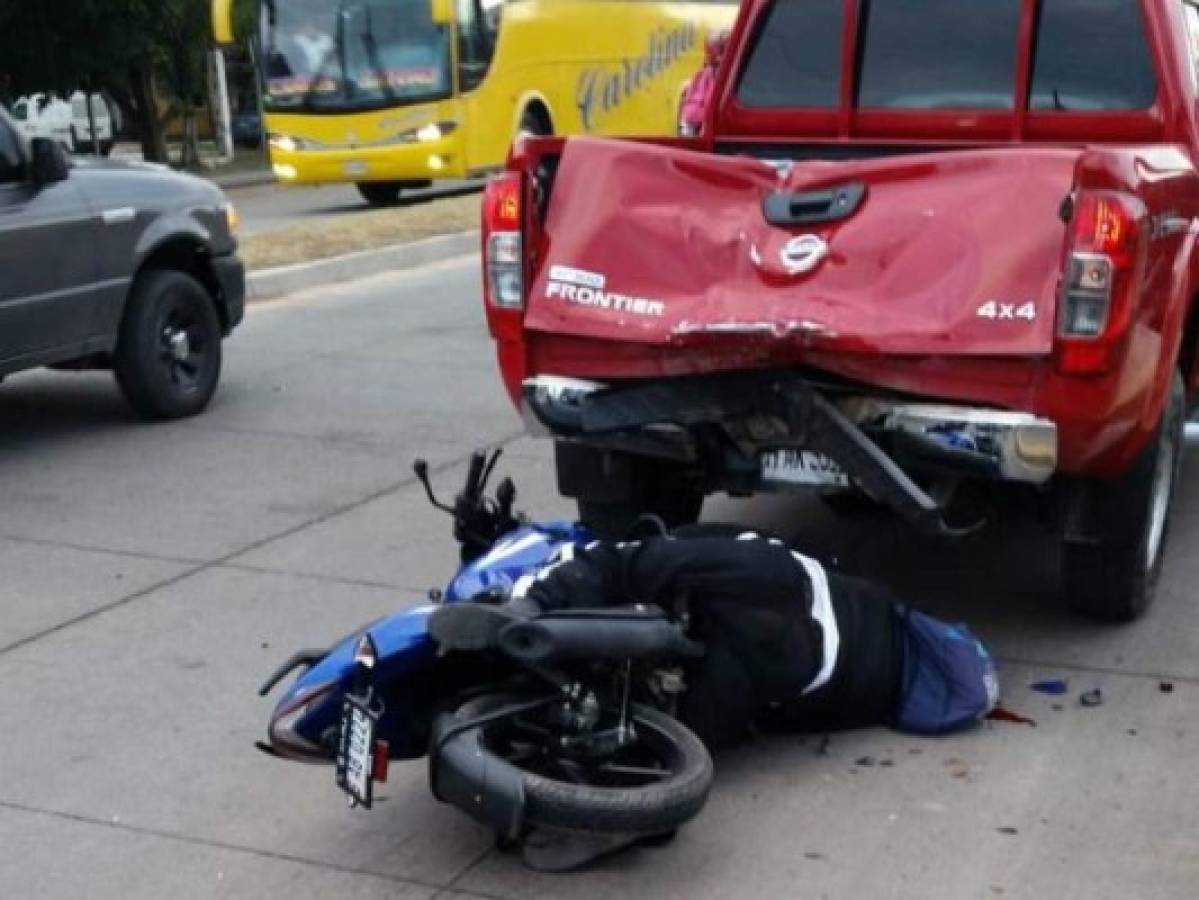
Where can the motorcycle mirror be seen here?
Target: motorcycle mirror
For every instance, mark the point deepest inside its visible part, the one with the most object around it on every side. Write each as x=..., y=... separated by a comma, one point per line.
x=421, y=469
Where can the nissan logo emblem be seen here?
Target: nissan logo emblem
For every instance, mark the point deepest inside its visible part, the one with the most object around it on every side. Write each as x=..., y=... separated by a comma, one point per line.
x=803, y=253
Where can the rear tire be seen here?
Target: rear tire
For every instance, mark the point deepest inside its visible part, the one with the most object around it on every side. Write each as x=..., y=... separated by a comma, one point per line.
x=380, y=193
x=1110, y=571
x=387, y=193
x=614, y=489
x=168, y=355
x=533, y=123
x=614, y=521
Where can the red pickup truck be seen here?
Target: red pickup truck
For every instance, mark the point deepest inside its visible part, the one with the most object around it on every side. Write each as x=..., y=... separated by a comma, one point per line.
x=908, y=256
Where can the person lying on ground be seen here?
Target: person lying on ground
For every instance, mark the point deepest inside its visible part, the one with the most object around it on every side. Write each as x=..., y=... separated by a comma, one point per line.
x=788, y=644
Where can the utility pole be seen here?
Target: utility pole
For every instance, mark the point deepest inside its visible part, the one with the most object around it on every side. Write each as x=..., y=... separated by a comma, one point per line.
x=91, y=118
x=218, y=90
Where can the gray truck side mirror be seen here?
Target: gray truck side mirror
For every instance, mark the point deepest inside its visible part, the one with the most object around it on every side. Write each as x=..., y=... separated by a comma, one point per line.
x=48, y=162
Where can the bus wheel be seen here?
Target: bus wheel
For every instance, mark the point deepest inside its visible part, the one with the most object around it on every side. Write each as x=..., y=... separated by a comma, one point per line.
x=380, y=193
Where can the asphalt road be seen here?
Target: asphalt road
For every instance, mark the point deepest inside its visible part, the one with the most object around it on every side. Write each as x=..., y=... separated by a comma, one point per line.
x=266, y=207
x=153, y=574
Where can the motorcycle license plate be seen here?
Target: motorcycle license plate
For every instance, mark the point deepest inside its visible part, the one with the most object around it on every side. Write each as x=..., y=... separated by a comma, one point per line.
x=355, y=754
x=803, y=467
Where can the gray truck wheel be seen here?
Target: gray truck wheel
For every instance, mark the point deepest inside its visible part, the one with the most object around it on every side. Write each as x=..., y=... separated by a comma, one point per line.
x=168, y=356
x=1110, y=569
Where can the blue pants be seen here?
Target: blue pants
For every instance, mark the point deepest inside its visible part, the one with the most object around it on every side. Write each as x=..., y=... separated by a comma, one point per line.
x=949, y=679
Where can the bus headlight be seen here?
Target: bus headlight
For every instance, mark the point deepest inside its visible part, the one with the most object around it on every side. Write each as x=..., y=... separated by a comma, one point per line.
x=288, y=144
x=426, y=134
x=430, y=132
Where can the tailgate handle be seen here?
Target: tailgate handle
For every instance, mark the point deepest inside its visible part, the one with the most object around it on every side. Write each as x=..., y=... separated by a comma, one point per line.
x=813, y=207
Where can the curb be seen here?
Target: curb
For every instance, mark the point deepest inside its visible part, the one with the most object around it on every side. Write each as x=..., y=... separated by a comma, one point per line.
x=241, y=180
x=267, y=284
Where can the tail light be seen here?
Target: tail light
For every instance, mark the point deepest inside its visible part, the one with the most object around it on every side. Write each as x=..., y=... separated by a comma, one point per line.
x=503, y=260
x=1102, y=268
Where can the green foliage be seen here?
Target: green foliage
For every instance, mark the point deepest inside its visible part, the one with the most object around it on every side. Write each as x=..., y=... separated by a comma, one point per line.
x=61, y=44
x=245, y=18
x=145, y=53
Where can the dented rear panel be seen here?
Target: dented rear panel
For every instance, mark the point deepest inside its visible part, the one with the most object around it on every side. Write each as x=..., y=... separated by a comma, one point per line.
x=949, y=253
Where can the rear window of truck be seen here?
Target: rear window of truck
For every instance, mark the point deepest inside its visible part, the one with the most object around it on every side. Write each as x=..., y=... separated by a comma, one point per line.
x=796, y=57
x=1088, y=55
x=938, y=54
x=1091, y=56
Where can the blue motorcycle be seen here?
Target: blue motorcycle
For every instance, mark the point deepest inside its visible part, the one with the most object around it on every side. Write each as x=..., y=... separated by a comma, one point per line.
x=566, y=727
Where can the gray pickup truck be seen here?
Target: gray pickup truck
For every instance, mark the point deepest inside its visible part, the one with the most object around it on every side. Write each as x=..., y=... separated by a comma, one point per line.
x=115, y=265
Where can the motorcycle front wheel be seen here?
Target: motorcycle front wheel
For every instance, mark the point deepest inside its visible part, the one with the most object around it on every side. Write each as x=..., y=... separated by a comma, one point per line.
x=501, y=760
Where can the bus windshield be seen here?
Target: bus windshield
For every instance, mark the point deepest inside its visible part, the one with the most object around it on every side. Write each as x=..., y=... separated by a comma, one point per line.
x=334, y=55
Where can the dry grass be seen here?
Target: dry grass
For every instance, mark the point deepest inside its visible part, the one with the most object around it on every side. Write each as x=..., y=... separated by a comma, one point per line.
x=361, y=231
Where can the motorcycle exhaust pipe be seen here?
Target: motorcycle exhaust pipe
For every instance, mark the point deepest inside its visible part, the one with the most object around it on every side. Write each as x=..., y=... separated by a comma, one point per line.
x=598, y=637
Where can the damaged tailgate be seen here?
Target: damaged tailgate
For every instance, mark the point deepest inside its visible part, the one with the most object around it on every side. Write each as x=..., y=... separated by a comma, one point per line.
x=952, y=252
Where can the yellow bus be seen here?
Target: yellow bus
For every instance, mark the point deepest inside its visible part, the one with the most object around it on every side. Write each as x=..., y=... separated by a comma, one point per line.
x=391, y=94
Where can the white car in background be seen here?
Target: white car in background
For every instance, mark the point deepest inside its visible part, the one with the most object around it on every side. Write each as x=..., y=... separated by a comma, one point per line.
x=39, y=115
x=101, y=117
x=43, y=115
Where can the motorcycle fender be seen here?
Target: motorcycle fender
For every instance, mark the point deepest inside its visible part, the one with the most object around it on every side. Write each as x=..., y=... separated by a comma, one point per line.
x=471, y=781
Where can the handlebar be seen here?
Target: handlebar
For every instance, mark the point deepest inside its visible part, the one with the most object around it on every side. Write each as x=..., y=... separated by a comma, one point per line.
x=474, y=476
x=478, y=522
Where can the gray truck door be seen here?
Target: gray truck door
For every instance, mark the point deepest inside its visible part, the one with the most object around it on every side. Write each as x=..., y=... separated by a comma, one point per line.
x=47, y=262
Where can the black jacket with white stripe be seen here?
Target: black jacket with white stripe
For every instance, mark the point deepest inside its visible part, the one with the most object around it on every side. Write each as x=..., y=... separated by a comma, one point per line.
x=786, y=642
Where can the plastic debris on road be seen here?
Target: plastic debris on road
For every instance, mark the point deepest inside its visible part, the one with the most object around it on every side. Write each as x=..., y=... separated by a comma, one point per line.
x=1055, y=687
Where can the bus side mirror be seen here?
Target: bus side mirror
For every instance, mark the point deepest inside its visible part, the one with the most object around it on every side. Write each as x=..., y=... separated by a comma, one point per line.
x=442, y=11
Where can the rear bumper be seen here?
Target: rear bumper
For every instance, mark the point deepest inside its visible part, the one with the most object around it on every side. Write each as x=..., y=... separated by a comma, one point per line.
x=990, y=443
x=722, y=424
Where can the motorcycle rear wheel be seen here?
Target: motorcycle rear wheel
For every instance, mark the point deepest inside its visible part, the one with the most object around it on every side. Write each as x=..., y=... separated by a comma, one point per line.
x=651, y=787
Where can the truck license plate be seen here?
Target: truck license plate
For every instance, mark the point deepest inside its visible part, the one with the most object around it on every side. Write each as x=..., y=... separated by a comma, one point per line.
x=355, y=756
x=802, y=467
